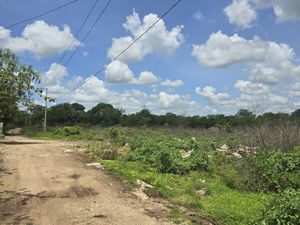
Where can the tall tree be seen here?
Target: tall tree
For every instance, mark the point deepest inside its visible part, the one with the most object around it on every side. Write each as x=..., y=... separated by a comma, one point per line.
x=104, y=114
x=16, y=84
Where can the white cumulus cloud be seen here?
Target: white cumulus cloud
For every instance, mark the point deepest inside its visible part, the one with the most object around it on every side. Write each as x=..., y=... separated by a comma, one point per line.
x=269, y=61
x=40, y=39
x=219, y=99
x=247, y=87
x=158, y=40
x=146, y=77
x=118, y=72
x=170, y=83
x=240, y=13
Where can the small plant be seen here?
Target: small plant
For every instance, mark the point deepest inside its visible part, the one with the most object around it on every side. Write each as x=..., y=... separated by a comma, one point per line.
x=284, y=209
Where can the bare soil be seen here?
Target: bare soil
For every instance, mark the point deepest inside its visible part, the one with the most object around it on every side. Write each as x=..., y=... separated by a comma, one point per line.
x=42, y=184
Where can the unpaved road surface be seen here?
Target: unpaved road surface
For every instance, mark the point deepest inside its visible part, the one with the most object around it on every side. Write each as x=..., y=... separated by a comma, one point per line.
x=41, y=184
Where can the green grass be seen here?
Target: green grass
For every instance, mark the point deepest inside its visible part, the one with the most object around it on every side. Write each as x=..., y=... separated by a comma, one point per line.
x=223, y=204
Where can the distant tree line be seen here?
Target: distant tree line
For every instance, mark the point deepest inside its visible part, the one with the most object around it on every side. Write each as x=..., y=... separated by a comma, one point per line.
x=106, y=115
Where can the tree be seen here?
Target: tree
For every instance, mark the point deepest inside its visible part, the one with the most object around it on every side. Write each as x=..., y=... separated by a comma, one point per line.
x=296, y=114
x=66, y=113
x=104, y=114
x=245, y=116
x=16, y=85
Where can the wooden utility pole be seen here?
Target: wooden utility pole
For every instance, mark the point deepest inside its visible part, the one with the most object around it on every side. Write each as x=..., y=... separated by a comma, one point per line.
x=46, y=105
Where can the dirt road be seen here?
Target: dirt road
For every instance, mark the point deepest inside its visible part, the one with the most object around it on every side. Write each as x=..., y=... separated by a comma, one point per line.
x=41, y=184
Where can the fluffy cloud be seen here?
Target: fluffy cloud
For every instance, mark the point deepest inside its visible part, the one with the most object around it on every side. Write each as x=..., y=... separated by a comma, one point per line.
x=269, y=61
x=240, y=13
x=221, y=50
x=253, y=96
x=219, y=99
x=247, y=87
x=181, y=104
x=264, y=103
x=169, y=83
x=118, y=72
x=146, y=77
x=243, y=12
x=95, y=91
x=293, y=90
x=286, y=10
x=52, y=80
x=158, y=40
x=40, y=39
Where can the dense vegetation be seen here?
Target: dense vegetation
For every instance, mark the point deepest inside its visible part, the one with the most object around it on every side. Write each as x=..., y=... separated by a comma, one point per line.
x=106, y=115
x=190, y=168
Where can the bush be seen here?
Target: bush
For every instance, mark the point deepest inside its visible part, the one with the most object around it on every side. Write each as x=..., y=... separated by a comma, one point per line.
x=168, y=161
x=115, y=134
x=68, y=131
x=199, y=161
x=227, y=169
x=269, y=171
x=284, y=209
x=164, y=153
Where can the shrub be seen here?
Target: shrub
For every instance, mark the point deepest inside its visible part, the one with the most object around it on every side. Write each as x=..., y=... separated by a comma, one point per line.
x=227, y=168
x=164, y=153
x=199, y=161
x=284, y=209
x=169, y=161
x=68, y=131
x=115, y=134
x=269, y=171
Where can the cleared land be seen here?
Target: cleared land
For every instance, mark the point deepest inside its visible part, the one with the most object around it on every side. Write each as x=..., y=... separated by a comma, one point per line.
x=42, y=184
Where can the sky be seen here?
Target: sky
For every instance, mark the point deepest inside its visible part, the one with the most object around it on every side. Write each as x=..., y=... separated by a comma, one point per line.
x=204, y=57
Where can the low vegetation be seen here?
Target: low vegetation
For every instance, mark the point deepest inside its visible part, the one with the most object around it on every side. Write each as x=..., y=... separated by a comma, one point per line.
x=193, y=170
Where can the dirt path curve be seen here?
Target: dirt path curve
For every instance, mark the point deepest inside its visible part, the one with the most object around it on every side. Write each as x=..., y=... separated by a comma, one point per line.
x=43, y=185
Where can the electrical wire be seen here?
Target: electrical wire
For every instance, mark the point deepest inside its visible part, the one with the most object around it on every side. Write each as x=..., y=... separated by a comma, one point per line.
x=125, y=49
x=40, y=15
x=77, y=33
x=87, y=34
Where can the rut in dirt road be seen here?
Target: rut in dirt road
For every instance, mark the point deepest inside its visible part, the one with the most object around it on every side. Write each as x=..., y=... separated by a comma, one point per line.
x=41, y=184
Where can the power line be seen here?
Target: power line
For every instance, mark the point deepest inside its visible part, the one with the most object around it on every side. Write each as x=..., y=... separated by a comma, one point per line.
x=40, y=15
x=86, y=36
x=88, y=33
x=77, y=33
x=122, y=52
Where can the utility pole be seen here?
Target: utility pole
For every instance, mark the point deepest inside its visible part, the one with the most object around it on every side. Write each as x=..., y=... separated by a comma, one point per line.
x=46, y=104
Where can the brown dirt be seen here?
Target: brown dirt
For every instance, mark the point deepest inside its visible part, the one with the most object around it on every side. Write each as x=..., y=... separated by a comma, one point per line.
x=42, y=185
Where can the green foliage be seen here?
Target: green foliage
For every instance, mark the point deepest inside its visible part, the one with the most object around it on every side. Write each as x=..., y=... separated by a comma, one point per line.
x=284, y=209
x=220, y=203
x=167, y=154
x=115, y=134
x=68, y=131
x=270, y=171
x=16, y=85
x=264, y=171
x=104, y=115
x=65, y=114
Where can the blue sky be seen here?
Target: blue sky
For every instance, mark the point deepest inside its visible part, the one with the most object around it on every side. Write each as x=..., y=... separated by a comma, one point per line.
x=205, y=56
